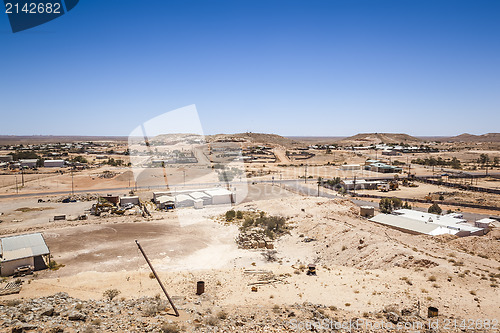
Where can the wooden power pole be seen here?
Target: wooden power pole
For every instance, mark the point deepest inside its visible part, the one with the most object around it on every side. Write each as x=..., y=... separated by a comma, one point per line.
x=157, y=278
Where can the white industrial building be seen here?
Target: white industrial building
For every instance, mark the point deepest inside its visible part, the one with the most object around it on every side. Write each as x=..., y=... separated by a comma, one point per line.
x=221, y=196
x=416, y=222
x=360, y=184
x=31, y=163
x=22, y=250
x=485, y=223
x=198, y=197
x=54, y=163
x=5, y=158
x=129, y=200
x=350, y=167
x=184, y=200
x=207, y=199
x=165, y=202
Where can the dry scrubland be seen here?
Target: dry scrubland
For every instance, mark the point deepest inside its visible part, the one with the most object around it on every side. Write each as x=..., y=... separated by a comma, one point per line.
x=363, y=271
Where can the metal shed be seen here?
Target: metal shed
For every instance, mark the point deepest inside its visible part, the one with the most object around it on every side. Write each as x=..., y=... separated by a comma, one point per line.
x=183, y=200
x=165, y=202
x=207, y=200
x=220, y=196
x=21, y=250
x=54, y=163
x=126, y=200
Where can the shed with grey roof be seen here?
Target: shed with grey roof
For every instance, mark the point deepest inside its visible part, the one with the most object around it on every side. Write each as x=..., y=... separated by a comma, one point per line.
x=22, y=250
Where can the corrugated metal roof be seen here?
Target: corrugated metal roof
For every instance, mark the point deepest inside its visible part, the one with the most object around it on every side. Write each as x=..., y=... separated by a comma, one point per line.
x=218, y=191
x=405, y=223
x=165, y=198
x=183, y=197
x=444, y=220
x=22, y=246
x=199, y=195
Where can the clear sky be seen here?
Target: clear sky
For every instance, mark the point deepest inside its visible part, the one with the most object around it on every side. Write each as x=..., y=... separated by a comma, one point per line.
x=310, y=67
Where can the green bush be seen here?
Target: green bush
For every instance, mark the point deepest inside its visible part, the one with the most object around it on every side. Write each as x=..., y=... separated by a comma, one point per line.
x=435, y=209
x=387, y=205
x=230, y=215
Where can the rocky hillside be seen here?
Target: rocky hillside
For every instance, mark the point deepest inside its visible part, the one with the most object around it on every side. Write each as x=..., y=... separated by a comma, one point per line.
x=466, y=137
x=257, y=138
x=376, y=138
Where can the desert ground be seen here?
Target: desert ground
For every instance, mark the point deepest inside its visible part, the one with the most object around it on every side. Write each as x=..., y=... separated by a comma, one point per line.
x=365, y=272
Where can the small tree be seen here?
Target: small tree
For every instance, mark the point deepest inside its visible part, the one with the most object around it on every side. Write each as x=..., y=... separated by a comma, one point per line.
x=435, y=209
x=239, y=214
x=110, y=294
x=385, y=205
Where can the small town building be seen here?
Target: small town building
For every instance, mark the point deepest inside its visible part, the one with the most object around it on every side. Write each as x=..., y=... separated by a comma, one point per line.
x=384, y=168
x=129, y=200
x=207, y=200
x=183, y=200
x=23, y=250
x=165, y=202
x=367, y=211
x=360, y=184
x=485, y=223
x=350, y=167
x=6, y=158
x=54, y=163
x=30, y=163
x=417, y=222
x=221, y=196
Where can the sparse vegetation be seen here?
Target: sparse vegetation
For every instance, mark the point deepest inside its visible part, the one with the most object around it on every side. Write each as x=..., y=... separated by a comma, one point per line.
x=230, y=215
x=435, y=209
x=387, y=205
x=110, y=294
x=54, y=266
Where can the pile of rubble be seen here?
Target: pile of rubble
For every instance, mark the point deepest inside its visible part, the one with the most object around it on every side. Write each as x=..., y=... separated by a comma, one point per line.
x=78, y=197
x=254, y=239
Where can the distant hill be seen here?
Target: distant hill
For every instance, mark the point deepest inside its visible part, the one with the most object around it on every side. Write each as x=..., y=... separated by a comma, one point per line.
x=257, y=138
x=466, y=137
x=39, y=139
x=376, y=138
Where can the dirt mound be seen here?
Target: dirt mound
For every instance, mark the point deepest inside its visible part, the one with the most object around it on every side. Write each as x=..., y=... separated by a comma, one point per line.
x=125, y=176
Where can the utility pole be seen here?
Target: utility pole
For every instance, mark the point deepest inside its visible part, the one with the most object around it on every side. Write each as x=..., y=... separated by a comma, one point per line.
x=22, y=175
x=354, y=186
x=17, y=189
x=72, y=183
x=305, y=174
x=157, y=278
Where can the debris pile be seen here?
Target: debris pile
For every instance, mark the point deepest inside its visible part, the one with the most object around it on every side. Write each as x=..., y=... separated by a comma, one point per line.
x=78, y=197
x=253, y=239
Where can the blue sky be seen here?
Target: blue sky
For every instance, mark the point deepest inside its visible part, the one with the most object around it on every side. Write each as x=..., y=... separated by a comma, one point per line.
x=318, y=67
